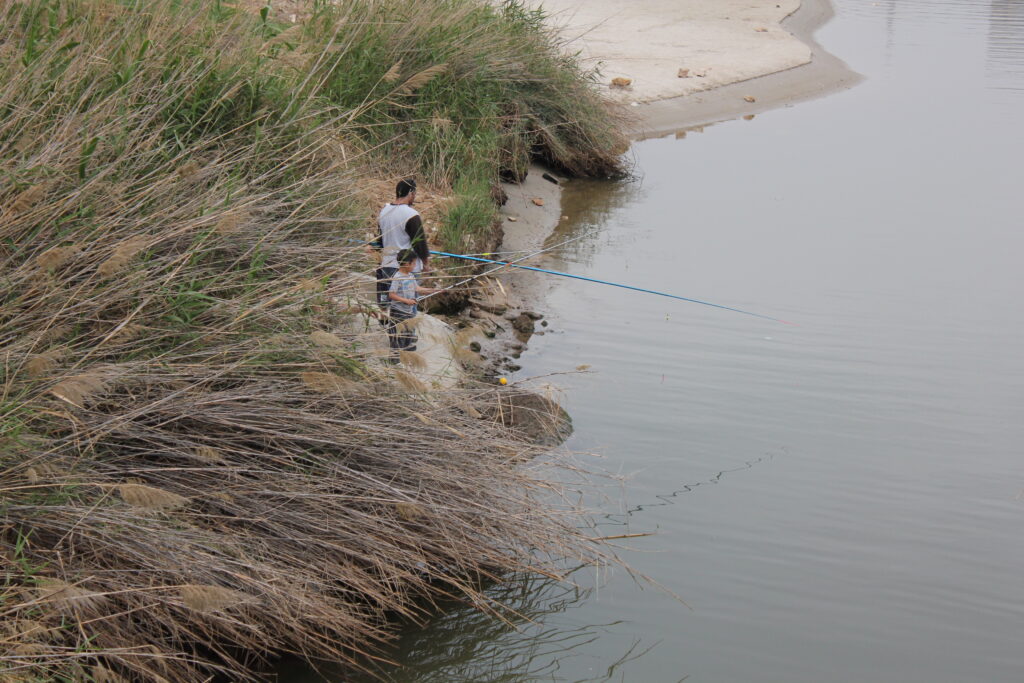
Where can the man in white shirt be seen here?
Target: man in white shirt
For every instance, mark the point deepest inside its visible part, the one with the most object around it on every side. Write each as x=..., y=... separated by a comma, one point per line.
x=400, y=227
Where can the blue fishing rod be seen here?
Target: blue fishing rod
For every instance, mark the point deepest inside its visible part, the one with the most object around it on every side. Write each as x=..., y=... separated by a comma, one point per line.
x=606, y=282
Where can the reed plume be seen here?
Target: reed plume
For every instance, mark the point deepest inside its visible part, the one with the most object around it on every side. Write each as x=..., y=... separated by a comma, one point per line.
x=412, y=360
x=149, y=497
x=45, y=362
x=211, y=598
x=26, y=200
x=78, y=389
x=55, y=257
x=420, y=79
x=326, y=340
x=393, y=73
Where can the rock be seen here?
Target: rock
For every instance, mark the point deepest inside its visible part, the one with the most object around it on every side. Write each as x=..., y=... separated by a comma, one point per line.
x=748, y=117
x=544, y=323
x=512, y=219
x=494, y=308
x=621, y=82
x=761, y=30
x=474, y=346
x=533, y=315
x=477, y=314
x=537, y=201
x=535, y=417
x=683, y=73
x=550, y=178
x=499, y=195
x=750, y=98
x=523, y=324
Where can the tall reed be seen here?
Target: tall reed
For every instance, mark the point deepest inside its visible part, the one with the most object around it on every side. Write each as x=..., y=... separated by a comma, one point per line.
x=202, y=463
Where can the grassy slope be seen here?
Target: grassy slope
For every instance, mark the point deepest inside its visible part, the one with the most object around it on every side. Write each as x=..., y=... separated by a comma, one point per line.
x=200, y=461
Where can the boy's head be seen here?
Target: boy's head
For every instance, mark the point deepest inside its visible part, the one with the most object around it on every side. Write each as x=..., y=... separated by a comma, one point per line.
x=406, y=260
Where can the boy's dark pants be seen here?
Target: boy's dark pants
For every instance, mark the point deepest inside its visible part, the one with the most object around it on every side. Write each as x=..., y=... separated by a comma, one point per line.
x=384, y=276
x=400, y=337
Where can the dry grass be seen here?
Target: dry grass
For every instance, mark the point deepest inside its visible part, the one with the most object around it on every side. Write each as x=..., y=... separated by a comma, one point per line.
x=194, y=481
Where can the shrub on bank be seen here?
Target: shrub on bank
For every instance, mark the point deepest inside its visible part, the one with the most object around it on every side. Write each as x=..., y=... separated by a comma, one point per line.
x=202, y=463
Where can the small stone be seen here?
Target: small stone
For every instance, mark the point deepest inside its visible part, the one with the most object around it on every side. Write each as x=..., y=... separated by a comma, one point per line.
x=512, y=219
x=749, y=98
x=748, y=117
x=683, y=73
x=621, y=82
x=494, y=309
x=489, y=334
x=537, y=201
x=533, y=315
x=565, y=218
x=474, y=346
x=523, y=324
x=761, y=30
x=543, y=323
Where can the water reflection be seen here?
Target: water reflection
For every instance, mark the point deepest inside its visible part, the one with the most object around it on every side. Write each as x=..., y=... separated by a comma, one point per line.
x=588, y=204
x=529, y=642
x=1006, y=41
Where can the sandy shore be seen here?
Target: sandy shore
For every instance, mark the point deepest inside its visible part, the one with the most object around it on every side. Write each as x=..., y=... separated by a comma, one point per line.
x=673, y=48
x=694, y=62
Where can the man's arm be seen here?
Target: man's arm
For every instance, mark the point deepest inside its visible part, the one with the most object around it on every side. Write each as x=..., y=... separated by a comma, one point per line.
x=418, y=239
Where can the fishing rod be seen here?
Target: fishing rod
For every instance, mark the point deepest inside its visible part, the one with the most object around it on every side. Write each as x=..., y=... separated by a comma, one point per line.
x=500, y=264
x=513, y=264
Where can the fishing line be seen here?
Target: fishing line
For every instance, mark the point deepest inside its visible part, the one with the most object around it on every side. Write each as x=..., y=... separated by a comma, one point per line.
x=511, y=264
x=501, y=264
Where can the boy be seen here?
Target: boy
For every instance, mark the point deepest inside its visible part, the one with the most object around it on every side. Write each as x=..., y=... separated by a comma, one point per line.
x=402, y=293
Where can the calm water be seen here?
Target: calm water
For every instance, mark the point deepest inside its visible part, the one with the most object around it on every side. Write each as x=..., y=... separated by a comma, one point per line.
x=838, y=501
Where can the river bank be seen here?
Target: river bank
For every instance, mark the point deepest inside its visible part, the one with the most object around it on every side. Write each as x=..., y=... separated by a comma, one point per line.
x=204, y=464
